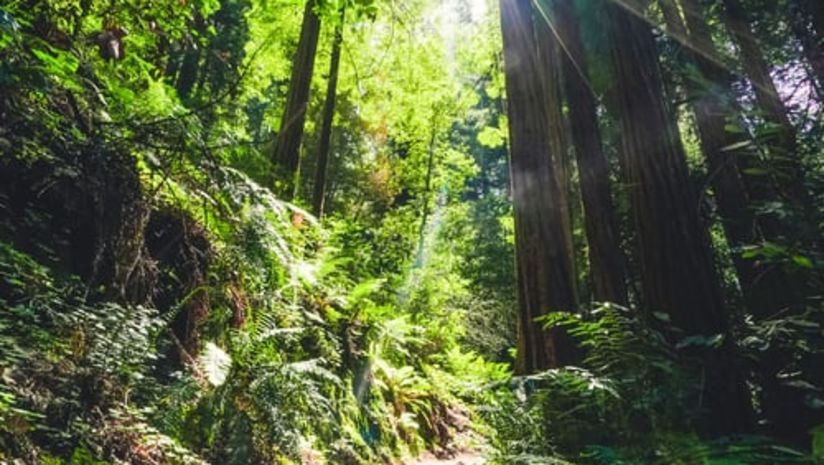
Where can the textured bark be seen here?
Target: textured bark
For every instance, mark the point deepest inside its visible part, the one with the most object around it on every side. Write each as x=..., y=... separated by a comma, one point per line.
x=770, y=290
x=757, y=68
x=286, y=156
x=188, y=73
x=673, y=20
x=548, y=49
x=815, y=8
x=427, y=192
x=678, y=275
x=807, y=21
x=782, y=141
x=607, y=261
x=545, y=282
x=765, y=288
x=321, y=171
x=761, y=188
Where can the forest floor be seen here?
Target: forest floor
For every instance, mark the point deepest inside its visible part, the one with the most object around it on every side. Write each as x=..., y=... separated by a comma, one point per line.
x=469, y=449
x=463, y=458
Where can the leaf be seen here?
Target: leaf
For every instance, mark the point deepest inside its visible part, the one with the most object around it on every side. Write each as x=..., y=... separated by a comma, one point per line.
x=734, y=128
x=61, y=64
x=700, y=340
x=215, y=364
x=756, y=171
x=491, y=137
x=8, y=22
x=365, y=289
x=661, y=316
x=735, y=146
x=802, y=261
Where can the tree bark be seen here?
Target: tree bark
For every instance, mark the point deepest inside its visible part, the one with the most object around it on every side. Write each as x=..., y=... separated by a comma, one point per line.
x=770, y=290
x=815, y=8
x=765, y=288
x=607, y=261
x=678, y=273
x=427, y=192
x=754, y=172
x=188, y=73
x=286, y=156
x=807, y=20
x=782, y=140
x=545, y=282
x=548, y=49
x=321, y=171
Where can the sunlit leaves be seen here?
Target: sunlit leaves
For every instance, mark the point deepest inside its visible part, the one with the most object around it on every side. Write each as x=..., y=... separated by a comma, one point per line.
x=492, y=137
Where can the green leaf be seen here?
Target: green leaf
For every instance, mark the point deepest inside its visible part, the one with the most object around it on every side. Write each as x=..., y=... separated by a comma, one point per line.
x=802, y=261
x=735, y=146
x=491, y=137
x=733, y=128
x=662, y=316
x=8, y=22
x=61, y=64
x=756, y=171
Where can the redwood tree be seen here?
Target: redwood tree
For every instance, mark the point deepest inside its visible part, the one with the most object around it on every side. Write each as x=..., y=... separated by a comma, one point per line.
x=725, y=146
x=286, y=155
x=545, y=281
x=678, y=273
x=319, y=190
x=607, y=262
x=807, y=21
x=815, y=10
x=548, y=49
x=768, y=289
x=782, y=136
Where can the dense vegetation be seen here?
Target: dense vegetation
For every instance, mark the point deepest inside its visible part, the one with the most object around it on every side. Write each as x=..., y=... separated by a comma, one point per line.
x=351, y=231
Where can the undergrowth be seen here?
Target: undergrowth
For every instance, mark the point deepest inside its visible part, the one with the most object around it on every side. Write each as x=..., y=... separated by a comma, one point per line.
x=637, y=396
x=159, y=305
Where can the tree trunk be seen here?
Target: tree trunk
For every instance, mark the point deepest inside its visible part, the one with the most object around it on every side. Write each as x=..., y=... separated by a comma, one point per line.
x=770, y=290
x=319, y=190
x=545, y=282
x=607, y=261
x=782, y=139
x=286, y=156
x=815, y=8
x=188, y=73
x=548, y=49
x=810, y=32
x=427, y=192
x=765, y=288
x=678, y=274
x=754, y=172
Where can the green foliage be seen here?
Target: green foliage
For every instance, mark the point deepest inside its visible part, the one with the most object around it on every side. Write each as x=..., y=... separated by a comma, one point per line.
x=64, y=359
x=158, y=304
x=632, y=403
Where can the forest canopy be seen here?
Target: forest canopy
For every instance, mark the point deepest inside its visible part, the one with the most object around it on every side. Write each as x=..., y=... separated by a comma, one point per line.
x=411, y=232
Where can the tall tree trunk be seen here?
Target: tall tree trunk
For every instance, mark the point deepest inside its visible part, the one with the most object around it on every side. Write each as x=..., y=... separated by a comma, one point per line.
x=782, y=140
x=765, y=288
x=607, y=261
x=548, y=49
x=678, y=274
x=286, y=156
x=319, y=190
x=770, y=290
x=755, y=174
x=810, y=32
x=188, y=73
x=815, y=8
x=545, y=282
x=427, y=192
